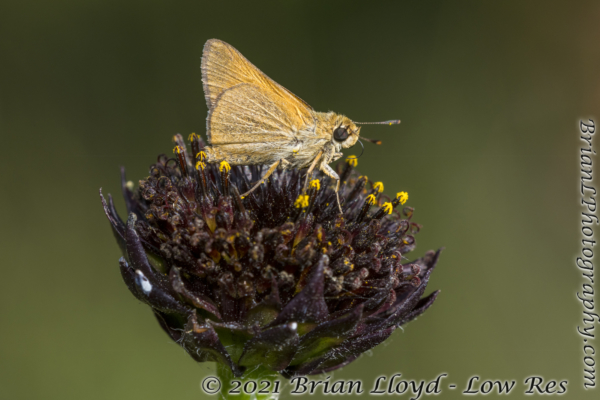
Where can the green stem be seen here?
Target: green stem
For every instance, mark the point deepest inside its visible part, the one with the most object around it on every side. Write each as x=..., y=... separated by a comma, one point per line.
x=248, y=386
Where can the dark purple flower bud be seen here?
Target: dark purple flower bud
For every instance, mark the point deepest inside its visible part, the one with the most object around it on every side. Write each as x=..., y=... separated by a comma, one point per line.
x=277, y=281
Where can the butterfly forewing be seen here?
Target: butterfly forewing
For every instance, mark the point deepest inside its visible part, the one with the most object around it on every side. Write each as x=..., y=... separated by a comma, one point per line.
x=224, y=67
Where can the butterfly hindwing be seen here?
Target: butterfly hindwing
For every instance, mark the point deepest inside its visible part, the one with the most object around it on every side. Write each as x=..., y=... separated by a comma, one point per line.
x=246, y=113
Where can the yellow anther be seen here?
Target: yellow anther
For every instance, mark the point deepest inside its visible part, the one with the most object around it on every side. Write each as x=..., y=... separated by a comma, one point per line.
x=402, y=197
x=315, y=183
x=224, y=166
x=371, y=199
x=388, y=207
x=378, y=186
x=352, y=161
x=177, y=150
x=200, y=165
x=364, y=177
x=201, y=156
x=192, y=136
x=302, y=201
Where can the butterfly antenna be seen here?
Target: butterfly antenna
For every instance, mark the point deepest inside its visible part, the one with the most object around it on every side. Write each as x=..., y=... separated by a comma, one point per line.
x=374, y=141
x=390, y=122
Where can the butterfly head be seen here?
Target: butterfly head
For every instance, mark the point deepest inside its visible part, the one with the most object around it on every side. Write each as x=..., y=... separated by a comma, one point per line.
x=344, y=132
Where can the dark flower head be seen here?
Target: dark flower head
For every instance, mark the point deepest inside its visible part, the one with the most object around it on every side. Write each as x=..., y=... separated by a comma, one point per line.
x=278, y=279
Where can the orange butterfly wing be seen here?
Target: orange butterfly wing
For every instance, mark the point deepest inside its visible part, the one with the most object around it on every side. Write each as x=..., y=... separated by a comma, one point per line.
x=246, y=113
x=223, y=70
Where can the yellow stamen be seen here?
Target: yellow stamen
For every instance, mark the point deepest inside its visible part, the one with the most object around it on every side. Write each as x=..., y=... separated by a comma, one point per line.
x=200, y=165
x=201, y=156
x=192, y=136
x=224, y=166
x=387, y=206
x=378, y=186
x=302, y=201
x=315, y=183
x=352, y=161
x=402, y=197
x=371, y=199
x=177, y=150
x=364, y=177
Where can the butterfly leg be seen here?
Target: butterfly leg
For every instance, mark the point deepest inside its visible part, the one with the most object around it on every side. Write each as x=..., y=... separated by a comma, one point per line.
x=285, y=164
x=310, y=170
x=270, y=171
x=336, y=157
x=327, y=170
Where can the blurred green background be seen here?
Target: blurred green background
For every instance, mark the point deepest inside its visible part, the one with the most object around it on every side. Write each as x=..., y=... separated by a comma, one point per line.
x=489, y=93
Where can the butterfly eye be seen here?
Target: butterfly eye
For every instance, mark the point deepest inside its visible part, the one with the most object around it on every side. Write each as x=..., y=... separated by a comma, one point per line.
x=340, y=134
